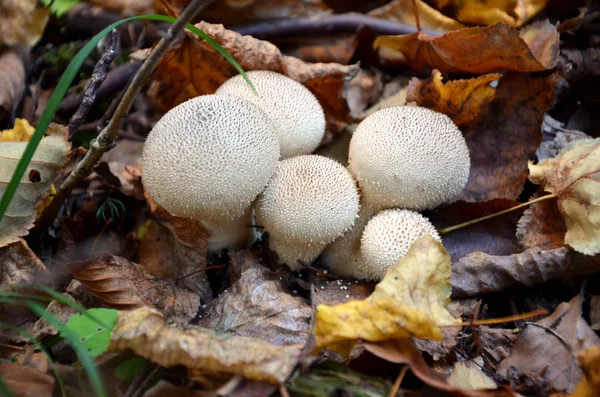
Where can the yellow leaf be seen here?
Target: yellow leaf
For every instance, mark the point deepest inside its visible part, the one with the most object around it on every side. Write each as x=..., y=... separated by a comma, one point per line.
x=410, y=301
x=574, y=176
x=21, y=132
x=489, y=12
x=22, y=22
x=589, y=386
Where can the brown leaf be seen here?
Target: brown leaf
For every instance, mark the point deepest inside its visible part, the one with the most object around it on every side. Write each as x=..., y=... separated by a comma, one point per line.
x=595, y=312
x=552, y=354
x=479, y=273
x=514, y=13
x=122, y=284
x=125, y=7
x=561, y=138
x=62, y=313
x=257, y=306
x=195, y=68
x=22, y=22
x=542, y=226
x=25, y=381
x=479, y=50
x=439, y=349
x=464, y=101
x=12, y=80
x=402, y=11
x=200, y=350
x=496, y=343
x=574, y=176
x=19, y=265
x=339, y=291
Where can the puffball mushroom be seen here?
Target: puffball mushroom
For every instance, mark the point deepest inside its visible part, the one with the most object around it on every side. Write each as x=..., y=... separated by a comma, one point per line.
x=294, y=111
x=208, y=158
x=310, y=201
x=409, y=157
x=387, y=238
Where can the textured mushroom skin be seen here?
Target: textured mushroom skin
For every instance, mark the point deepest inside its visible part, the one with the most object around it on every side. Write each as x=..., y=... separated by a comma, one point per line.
x=409, y=157
x=209, y=157
x=310, y=201
x=387, y=237
x=294, y=111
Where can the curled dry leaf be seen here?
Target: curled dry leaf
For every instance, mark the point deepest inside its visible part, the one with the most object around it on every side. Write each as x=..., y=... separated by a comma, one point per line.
x=480, y=273
x=122, y=284
x=479, y=50
x=22, y=22
x=403, y=11
x=514, y=13
x=542, y=226
x=552, y=354
x=195, y=68
x=257, y=306
x=590, y=383
x=410, y=301
x=19, y=265
x=48, y=159
x=200, y=350
x=574, y=176
x=12, y=80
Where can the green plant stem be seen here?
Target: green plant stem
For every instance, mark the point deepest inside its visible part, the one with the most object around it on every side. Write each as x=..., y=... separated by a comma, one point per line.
x=484, y=218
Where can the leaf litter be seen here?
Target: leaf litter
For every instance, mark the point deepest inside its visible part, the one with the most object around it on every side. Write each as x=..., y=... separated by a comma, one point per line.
x=239, y=324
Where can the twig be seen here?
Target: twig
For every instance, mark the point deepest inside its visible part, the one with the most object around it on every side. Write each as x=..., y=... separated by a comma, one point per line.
x=106, y=139
x=100, y=70
x=416, y=11
x=337, y=23
x=398, y=382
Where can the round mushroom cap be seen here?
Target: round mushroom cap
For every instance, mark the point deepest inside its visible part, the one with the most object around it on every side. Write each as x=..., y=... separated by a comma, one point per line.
x=294, y=111
x=409, y=157
x=209, y=157
x=388, y=236
x=310, y=201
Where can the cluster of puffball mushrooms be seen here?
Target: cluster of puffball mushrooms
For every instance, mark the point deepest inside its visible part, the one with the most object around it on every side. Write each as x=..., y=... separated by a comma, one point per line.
x=241, y=155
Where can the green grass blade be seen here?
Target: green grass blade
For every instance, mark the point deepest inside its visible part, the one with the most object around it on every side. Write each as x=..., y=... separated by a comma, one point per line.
x=65, y=82
x=4, y=389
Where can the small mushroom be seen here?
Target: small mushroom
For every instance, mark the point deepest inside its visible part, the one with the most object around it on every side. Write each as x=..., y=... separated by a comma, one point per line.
x=310, y=201
x=294, y=111
x=408, y=157
x=387, y=238
x=208, y=158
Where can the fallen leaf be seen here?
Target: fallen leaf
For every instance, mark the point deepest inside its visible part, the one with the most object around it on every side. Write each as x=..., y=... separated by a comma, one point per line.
x=479, y=273
x=542, y=226
x=485, y=12
x=595, y=312
x=552, y=353
x=257, y=306
x=62, y=313
x=479, y=50
x=464, y=101
x=200, y=350
x=19, y=265
x=439, y=349
x=122, y=284
x=496, y=343
x=49, y=158
x=402, y=11
x=195, y=68
x=410, y=301
x=467, y=375
x=12, y=80
x=560, y=138
x=336, y=292
x=590, y=383
x=25, y=381
x=93, y=329
x=574, y=176
x=22, y=22
x=126, y=7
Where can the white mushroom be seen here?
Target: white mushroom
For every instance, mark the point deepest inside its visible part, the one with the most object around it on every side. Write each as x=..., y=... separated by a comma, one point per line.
x=409, y=157
x=208, y=158
x=294, y=111
x=387, y=237
x=311, y=201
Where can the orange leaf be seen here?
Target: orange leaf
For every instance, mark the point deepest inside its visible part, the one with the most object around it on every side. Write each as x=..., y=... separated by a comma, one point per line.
x=479, y=50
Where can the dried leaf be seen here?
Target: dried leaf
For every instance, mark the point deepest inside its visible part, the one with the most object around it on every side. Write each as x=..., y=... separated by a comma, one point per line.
x=25, y=381
x=542, y=226
x=479, y=273
x=257, y=306
x=195, y=68
x=144, y=331
x=590, y=384
x=22, y=22
x=486, y=12
x=479, y=50
x=467, y=375
x=595, y=312
x=49, y=158
x=552, y=354
x=574, y=176
x=12, y=81
x=410, y=301
x=464, y=101
x=125, y=7
x=122, y=284
x=19, y=265
x=402, y=11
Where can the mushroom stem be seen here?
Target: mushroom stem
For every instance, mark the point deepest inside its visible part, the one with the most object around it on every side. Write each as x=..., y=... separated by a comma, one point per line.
x=484, y=218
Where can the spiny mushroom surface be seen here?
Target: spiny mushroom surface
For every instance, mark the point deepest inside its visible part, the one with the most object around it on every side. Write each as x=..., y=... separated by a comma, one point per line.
x=388, y=236
x=209, y=157
x=294, y=111
x=409, y=157
x=310, y=201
